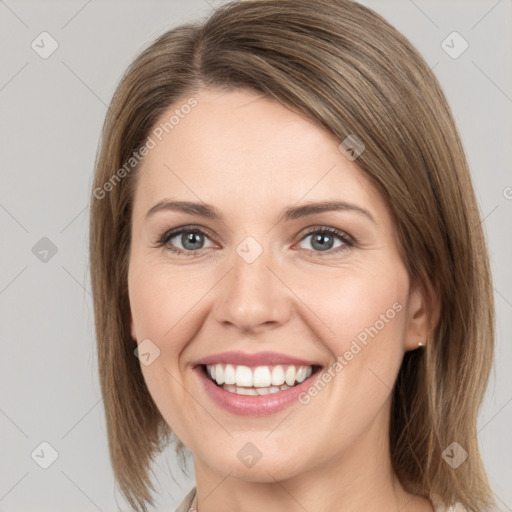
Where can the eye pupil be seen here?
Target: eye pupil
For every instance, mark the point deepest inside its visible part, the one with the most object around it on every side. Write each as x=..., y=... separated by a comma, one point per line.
x=196, y=239
x=322, y=242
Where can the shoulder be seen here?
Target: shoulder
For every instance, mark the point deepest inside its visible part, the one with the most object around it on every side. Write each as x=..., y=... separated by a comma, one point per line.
x=185, y=505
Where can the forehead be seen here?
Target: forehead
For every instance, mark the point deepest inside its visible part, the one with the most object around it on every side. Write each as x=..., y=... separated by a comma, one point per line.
x=244, y=149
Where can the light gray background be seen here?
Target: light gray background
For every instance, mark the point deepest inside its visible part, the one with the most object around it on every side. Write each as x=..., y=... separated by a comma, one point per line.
x=51, y=114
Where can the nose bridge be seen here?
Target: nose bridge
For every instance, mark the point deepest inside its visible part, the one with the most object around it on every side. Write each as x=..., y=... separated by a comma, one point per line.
x=252, y=295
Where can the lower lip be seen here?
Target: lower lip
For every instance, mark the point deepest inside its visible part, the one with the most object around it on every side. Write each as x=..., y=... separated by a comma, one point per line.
x=252, y=405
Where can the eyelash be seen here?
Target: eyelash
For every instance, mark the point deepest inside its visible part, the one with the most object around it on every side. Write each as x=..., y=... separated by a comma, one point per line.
x=347, y=240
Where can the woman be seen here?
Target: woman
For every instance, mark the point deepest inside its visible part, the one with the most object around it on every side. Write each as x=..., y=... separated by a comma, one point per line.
x=289, y=272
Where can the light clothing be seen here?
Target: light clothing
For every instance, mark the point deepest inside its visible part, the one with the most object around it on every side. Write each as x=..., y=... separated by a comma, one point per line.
x=187, y=502
x=190, y=501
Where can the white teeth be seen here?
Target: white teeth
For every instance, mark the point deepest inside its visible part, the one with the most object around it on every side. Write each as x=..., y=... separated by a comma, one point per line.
x=259, y=380
x=254, y=391
x=300, y=375
x=245, y=391
x=219, y=374
x=277, y=375
x=229, y=374
x=289, y=375
x=261, y=377
x=243, y=376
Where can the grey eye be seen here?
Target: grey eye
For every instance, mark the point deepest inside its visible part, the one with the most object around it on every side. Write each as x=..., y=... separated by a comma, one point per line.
x=188, y=240
x=322, y=240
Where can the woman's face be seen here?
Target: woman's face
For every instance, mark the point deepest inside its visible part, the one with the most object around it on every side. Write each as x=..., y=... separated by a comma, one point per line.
x=267, y=287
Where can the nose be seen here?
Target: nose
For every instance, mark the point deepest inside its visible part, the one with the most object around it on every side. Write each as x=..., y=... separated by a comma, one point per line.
x=252, y=298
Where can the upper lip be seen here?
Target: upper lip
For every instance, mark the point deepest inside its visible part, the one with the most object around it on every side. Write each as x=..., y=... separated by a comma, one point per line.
x=255, y=359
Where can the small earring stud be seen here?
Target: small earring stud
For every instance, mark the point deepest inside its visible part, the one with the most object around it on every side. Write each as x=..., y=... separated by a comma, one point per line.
x=420, y=344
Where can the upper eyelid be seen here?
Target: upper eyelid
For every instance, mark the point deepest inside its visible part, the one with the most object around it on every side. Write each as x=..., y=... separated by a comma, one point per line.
x=171, y=233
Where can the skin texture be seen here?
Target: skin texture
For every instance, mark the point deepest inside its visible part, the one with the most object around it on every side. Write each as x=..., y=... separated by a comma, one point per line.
x=250, y=157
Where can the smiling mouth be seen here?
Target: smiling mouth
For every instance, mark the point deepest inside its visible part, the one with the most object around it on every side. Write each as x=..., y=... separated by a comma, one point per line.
x=259, y=380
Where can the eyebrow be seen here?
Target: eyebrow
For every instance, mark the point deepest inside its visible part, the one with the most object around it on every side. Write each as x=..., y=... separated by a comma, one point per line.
x=289, y=213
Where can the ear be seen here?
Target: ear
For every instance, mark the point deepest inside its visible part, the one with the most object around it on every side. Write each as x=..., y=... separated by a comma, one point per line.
x=132, y=328
x=423, y=317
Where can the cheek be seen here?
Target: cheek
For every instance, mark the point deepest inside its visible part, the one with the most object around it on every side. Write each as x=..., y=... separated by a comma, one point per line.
x=353, y=303
x=162, y=308
x=365, y=311
x=161, y=301
x=149, y=305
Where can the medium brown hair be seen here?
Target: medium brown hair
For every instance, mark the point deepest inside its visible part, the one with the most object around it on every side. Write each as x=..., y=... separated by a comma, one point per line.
x=344, y=66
